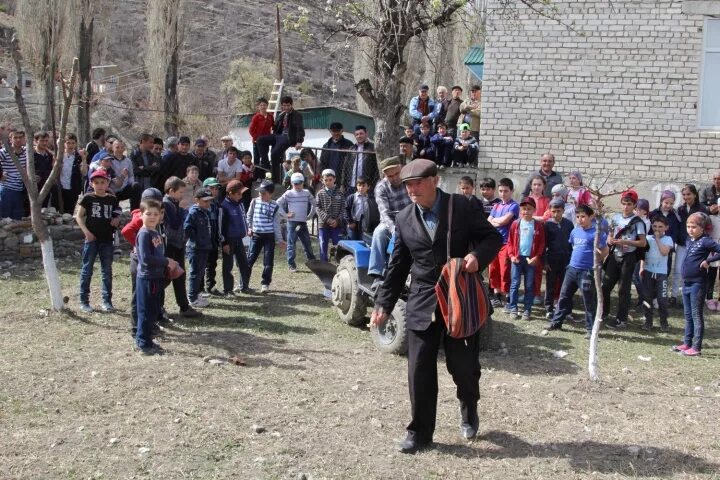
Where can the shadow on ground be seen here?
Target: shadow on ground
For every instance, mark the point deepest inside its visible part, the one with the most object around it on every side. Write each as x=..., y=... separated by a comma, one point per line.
x=588, y=456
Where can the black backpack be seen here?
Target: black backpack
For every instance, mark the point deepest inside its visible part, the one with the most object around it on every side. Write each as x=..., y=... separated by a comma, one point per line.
x=640, y=251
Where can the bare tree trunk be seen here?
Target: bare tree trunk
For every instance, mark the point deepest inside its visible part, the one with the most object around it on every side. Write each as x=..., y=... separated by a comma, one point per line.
x=171, y=95
x=84, y=87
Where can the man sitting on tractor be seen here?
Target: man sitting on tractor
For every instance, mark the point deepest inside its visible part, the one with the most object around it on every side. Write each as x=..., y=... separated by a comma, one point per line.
x=391, y=197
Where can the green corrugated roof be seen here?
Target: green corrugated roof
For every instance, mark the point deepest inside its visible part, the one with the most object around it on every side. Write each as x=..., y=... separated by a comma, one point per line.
x=475, y=56
x=321, y=118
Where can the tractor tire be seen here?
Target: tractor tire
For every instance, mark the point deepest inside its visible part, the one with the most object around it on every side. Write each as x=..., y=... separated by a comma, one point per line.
x=350, y=304
x=392, y=336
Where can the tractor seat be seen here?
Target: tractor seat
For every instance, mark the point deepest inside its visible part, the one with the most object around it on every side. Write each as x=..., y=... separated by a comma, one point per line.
x=367, y=238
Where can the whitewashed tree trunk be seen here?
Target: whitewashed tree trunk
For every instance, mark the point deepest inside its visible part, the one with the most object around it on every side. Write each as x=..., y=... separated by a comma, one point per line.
x=594, y=336
x=51, y=274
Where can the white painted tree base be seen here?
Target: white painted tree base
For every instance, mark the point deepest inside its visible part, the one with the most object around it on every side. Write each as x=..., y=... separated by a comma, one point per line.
x=51, y=274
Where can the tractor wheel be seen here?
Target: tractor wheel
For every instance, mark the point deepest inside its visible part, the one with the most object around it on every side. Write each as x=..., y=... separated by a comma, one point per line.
x=350, y=304
x=391, y=337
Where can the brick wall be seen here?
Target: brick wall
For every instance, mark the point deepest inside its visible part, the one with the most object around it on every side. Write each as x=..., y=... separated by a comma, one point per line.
x=618, y=95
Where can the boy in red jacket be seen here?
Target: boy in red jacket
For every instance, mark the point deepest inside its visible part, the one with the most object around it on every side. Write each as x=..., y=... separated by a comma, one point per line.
x=526, y=244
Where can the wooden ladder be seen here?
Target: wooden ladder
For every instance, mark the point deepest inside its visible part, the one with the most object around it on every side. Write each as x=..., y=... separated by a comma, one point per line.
x=275, y=96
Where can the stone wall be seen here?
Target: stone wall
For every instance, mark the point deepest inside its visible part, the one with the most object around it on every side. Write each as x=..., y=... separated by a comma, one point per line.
x=18, y=241
x=617, y=96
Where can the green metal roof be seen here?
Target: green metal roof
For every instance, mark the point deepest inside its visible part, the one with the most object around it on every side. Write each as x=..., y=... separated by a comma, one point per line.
x=475, y=56
x=321, y=118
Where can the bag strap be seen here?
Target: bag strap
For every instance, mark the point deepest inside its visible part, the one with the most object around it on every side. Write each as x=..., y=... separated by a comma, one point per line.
x=449, y=227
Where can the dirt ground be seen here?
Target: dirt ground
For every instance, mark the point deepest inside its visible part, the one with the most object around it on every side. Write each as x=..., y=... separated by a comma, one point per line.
x=316, y=400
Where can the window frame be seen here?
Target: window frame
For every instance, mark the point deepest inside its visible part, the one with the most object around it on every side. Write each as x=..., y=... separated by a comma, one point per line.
x=701, y=77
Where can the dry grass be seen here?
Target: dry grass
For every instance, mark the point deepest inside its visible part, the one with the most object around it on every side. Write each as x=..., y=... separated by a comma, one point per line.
x=77, y=402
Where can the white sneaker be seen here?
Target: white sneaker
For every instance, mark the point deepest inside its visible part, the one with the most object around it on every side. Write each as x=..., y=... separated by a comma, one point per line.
x=201, y=302
x=292, y=269
x=264, y=288
x=204, y=295
x=237, y=289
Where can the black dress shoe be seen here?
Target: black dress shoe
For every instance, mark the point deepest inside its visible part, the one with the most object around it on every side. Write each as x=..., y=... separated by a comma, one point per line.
x=412, y=445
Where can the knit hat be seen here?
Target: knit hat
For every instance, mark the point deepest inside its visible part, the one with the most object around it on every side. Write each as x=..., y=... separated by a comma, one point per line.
x=577, y=175
x=667, y=194
x=643, y=204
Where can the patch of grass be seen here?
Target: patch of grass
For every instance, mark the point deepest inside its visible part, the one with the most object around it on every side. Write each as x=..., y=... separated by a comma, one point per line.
x=331, y=405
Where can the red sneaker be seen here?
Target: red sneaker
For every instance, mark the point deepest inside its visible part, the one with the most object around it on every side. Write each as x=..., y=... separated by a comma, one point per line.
x=680, y=348
x=691, y=352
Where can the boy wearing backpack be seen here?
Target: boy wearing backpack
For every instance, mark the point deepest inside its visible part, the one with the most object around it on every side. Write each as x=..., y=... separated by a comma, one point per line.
x=627, y=247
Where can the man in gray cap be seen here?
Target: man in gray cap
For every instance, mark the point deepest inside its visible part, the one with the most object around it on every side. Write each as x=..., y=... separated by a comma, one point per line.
x=391, y=197
x=421, y=236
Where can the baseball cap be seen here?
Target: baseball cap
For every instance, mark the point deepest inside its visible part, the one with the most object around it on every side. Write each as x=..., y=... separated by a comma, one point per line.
x=630, y=195
x=266, y=186
x=151, y=194
x=424, y=87
x=297, y=178
x=328, y=171
x=528, y=201
x=99, y=173
x=204, y=194
x=463, y=126
x=200, y=142
x=211, y=182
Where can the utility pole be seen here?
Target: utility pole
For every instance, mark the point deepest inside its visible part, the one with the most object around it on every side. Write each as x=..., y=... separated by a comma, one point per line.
x=279, y=43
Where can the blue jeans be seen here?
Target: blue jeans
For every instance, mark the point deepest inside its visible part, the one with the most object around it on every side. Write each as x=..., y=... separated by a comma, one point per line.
x=378, y=250
x=238, y=255
x=197, y=259
x=266, y=242
x=148, y=309
x=90, y=252
x=326, y=235
x=517, y=271
x=12, y=203
x=693, y=303
x=295, y=231
x=577, y=279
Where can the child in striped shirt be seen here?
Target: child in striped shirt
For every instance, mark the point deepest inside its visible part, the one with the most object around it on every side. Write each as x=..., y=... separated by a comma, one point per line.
x=330, y=211
x=263, y=219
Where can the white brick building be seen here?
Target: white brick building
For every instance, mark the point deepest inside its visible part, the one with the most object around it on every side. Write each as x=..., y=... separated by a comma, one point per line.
x=622, y=93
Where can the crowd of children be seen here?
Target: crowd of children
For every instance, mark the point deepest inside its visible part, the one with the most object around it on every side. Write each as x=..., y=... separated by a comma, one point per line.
x=200, y=220
x=635, y=245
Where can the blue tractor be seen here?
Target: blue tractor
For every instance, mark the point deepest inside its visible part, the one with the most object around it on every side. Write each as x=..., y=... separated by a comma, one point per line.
x=352, y=292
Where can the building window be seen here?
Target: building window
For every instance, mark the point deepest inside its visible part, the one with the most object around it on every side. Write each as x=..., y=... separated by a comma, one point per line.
x=28, y=83
x=709, y=108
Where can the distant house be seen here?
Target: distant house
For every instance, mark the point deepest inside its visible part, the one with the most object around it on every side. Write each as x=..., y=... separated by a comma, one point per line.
x=633, y=91
x=475, y=61
x=316, y=121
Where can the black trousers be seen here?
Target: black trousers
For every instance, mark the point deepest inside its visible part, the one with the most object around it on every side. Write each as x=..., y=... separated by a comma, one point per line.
x=461, y=359
x=712, y=275
x=279, y=144
x=618, y=270
x=210, y=269
x=178, y=254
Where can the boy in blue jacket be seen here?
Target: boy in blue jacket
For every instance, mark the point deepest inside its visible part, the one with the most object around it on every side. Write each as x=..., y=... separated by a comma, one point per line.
x=442, y=143
x=150, y=275
x=213, y=185
x=173, y=220
x=199, y=244
x=233, y=228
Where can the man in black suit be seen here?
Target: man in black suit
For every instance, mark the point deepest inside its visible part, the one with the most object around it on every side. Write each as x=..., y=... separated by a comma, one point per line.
x=362, y=164
x=421, y=249
x=287, y=132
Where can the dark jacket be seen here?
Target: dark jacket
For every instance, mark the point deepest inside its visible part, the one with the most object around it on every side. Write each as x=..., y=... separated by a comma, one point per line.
x=551, y=180
x=557, y=245
x=371, y=171
x=175, y=165
x=197, y=229
x=296, y=130
x=415, y=253
x=206, y=164
x=698, y=251
x=452, y=113
x=146, y=168
x=233, y=226
x=174, y=220
x=76, y=177
x=342, y=164
x=684, y=213
x=709, y=196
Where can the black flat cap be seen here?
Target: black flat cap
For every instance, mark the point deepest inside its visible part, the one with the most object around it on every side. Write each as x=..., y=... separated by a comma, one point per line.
x=418, y=168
